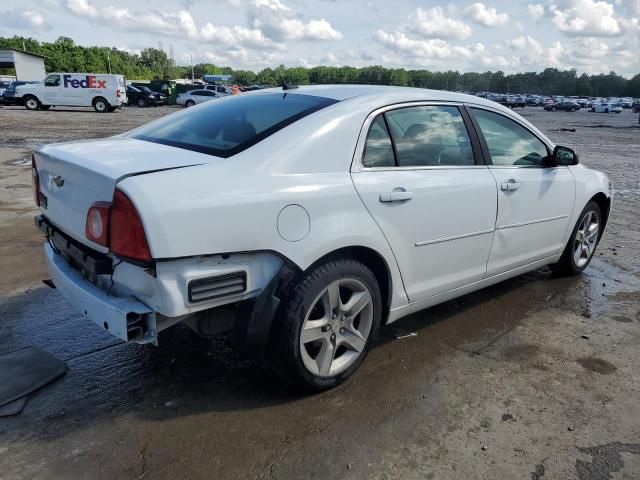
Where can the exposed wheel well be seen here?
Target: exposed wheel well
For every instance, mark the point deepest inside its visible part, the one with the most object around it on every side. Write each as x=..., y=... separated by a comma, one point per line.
x=605, y=205
x=375, y=262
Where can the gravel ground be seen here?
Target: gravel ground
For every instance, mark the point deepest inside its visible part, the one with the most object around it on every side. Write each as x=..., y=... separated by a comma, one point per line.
x=533, y=378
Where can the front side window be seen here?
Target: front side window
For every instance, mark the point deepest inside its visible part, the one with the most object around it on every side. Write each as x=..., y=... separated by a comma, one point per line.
x=52, y=81
x=509, y=143
x=231, y=125
x=378, y=150
x=430, y=136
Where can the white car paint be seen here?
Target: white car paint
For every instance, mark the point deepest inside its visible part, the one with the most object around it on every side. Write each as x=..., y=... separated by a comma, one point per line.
x=76, y=89
x=460, y=232
x=606, y=108
x=197, y=97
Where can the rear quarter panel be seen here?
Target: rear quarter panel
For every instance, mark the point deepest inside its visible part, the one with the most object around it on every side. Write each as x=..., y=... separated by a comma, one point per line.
x=232, y=205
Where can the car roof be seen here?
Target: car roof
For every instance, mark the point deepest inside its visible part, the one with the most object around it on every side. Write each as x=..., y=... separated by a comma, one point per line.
x=379, y=93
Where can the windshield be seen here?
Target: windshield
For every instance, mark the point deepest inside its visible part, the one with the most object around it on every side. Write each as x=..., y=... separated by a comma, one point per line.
x=133, y=89
x=146, y=89
x=226, y=127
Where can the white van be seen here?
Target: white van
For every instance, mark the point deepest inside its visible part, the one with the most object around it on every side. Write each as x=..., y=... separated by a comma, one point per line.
x=104, y=92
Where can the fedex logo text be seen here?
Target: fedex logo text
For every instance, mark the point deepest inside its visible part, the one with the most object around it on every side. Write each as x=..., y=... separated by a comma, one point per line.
x=89, y=82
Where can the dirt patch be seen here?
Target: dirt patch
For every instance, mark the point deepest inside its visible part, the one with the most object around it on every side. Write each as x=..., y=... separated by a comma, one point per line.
x=606, y=459
x=621, y=319
x=597, y=365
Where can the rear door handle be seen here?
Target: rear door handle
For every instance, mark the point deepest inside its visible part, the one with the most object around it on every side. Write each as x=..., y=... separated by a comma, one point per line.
x=396, y=196
x=510, y=185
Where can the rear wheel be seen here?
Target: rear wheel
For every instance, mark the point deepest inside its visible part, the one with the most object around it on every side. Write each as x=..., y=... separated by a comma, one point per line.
x=31, y=103
x=100, y=105
x=189, y=103
x=583, y=241
x=326, y=325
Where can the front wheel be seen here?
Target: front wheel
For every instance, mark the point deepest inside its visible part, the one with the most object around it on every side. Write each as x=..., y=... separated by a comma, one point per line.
x=189, y=103
x=141, y=103
x=326, y=325
x=583, y=241
x=31, y=103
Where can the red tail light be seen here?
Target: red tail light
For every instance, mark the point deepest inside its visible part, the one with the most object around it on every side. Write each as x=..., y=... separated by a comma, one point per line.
x=97, y=227
x=36, y=180
x=118, y=93
x=126, y=233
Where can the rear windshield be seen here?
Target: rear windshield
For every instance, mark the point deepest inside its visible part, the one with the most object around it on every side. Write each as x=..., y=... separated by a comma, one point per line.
x=226, y=127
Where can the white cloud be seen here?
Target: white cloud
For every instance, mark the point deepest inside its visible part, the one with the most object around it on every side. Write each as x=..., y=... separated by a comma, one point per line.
x=591, y=18
x=489, y=17
x=421, y=51
x=433, y=23
x=279, y=22
x=178, y=23
x=229, y=36
x=20, y=19
x=536, y=10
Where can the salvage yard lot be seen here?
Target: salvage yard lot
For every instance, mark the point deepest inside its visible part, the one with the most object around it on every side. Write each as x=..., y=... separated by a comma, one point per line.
x=533, y=378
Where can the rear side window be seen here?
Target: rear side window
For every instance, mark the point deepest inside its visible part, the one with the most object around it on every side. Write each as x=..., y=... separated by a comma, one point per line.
x=378, y=150
x=226, y=127
x=430, y=136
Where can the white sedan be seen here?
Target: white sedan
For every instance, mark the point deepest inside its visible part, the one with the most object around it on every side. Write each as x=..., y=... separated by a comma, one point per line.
x=194, y=97
x=606, y=108
x=296, y=222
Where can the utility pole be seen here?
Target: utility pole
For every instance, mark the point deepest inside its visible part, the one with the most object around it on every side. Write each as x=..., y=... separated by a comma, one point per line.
x=192, y=76
x=109, y=60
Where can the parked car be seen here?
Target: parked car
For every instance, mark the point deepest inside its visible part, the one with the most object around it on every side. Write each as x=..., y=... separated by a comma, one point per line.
x=9, y=95
x=3, y=86
x=606, y=108
x=193, y=97
x=514, y=101
x=221, y=90
x=159, y=98
x=567, y=106
x=299, y=222
x=103, y=92
x=136, y=96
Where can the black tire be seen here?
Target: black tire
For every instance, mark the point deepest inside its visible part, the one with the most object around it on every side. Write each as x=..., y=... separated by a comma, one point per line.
x=567, y=265
x=31, y=103
x=100, y=105
x=189, y=103
x=573, y=109
x=284, y=350
x=142, y=103
x=606, y=110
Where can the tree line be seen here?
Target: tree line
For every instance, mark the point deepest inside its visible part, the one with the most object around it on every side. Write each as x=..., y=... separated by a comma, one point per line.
x=152, y=63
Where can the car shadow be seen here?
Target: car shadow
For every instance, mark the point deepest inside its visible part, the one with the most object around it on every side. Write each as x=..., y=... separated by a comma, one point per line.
x=188, y=375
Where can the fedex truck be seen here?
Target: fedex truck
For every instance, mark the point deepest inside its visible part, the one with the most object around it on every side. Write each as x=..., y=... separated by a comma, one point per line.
x=103, y=92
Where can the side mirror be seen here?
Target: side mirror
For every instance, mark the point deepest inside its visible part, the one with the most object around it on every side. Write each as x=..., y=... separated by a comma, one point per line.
x=564, y=156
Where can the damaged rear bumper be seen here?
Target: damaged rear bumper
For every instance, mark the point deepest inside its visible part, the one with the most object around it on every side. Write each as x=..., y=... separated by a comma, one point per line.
x=127, y=318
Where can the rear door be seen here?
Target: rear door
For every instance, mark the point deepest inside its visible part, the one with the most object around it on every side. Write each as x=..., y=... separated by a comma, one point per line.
x=535, y=202
x=418, y=171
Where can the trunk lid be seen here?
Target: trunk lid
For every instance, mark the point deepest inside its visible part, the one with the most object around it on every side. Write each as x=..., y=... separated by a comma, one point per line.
x=74, y=175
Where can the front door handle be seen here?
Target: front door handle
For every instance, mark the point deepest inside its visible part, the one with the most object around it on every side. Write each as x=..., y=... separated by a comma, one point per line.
x=510, y=185
x=396, y=196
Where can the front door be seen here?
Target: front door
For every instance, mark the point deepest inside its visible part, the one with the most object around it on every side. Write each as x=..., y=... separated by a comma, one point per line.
x=535, y=202
x=419, y=179
x=52, y=91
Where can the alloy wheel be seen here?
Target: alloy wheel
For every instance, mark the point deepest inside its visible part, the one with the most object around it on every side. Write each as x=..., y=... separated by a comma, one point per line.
x=336, y=327
x=32, y=104
x=586, y=238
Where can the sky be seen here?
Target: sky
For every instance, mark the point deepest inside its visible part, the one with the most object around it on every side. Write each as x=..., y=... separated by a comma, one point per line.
x=519, y=35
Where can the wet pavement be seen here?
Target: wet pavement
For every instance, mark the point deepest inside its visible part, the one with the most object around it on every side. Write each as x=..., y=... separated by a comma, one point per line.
x=534, y=378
